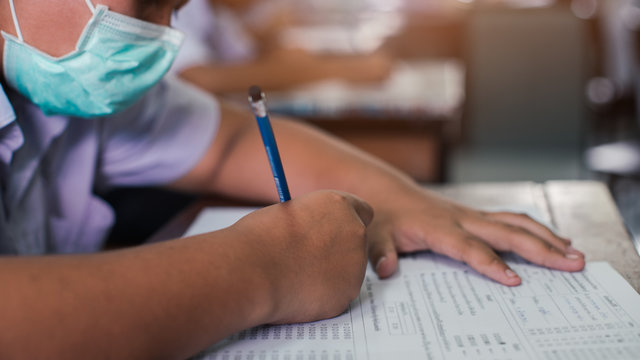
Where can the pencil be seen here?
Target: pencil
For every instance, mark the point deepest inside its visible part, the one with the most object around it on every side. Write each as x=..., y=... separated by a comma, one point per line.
x=259, y=107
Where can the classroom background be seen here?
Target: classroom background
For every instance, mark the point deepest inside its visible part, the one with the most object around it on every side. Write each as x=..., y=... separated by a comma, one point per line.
x=477, y=90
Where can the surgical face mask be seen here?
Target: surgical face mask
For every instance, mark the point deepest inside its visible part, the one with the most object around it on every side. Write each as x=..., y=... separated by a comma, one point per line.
x=117, y=59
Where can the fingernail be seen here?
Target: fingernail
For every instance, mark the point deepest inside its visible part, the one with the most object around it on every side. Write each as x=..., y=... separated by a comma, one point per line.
x=379, y=263
x=510, y=273
x=574, y=251
x=572, y=256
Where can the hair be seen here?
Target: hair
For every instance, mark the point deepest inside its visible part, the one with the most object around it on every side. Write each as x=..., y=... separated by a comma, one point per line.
x=146, y=7
x=148, y=2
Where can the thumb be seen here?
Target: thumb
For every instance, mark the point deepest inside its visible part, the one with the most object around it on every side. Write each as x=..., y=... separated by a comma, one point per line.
x=382, y=252
x=361, y=207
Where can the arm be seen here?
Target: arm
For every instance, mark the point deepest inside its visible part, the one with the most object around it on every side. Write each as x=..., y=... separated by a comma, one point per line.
x=172, y=299
x=408, y=218
x=285, y=69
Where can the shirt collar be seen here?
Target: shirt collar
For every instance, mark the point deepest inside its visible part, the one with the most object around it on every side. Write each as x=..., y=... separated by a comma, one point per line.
x=7, y=115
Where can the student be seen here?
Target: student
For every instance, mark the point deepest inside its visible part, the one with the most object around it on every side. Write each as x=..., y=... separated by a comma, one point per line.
x=72, y=121
x=220, y=55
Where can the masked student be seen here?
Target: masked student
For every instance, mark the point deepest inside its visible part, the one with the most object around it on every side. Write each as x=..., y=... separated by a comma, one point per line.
x=85, y=105
x=222, y=54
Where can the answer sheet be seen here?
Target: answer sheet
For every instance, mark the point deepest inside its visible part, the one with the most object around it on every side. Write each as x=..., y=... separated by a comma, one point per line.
x=438, y=308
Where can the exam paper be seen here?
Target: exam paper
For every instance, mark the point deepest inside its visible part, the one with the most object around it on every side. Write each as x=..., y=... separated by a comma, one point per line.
x=438, y=308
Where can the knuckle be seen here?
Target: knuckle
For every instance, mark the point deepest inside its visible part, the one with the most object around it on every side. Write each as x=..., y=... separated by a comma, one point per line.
x=541, y=252
x=484, y=214
x=487, y=261
x=464, y=249
x=542, y=247
x=549, y=247
x=512, y=230
x=518, y=234
x=338, y=197
x=331, y=196
x=480, y=257
x=493, y=260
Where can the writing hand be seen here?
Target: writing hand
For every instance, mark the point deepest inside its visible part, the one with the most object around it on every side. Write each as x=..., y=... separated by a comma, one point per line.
x=312, y=253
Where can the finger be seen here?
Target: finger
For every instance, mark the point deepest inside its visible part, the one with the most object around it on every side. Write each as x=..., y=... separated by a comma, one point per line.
x=526, y=222
x=361, y=207
x=543, y=253
x=500, y=233
x=479, y=256
x=382, y=252
x=528, y=245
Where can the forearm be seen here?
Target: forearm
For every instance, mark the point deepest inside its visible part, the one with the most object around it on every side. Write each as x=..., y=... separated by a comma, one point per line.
x=160, y=301
x=314, y=160
x=237, y=166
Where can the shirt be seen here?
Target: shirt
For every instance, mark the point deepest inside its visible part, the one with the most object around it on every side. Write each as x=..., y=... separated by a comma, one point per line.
x=50, y=166
x=211, y=35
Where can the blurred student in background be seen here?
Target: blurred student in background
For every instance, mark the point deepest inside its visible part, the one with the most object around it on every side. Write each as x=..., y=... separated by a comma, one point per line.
x=220, y=53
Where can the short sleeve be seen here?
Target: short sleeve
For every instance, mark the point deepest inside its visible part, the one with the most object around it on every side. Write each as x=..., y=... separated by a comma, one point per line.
x=211, y=35
x=195, y=19
x=158, y=139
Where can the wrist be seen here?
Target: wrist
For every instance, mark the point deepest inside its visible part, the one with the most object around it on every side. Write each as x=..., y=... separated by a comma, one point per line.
x=247, y=273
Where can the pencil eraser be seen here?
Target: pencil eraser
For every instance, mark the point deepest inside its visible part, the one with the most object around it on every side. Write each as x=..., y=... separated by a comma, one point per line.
x=255, y=93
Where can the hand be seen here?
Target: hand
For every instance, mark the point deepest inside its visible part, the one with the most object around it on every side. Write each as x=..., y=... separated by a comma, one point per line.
x=423, y=221
x=313, y=253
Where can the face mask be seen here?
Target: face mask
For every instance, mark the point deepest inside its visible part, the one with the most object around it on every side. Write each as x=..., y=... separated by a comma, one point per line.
x=117, y=59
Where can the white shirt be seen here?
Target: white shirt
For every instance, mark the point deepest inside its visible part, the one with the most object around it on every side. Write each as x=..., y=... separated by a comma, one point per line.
x=212, y=35
x=50, y=165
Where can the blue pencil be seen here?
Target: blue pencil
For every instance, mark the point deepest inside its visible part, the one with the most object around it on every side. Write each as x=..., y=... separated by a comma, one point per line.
x=259, y=107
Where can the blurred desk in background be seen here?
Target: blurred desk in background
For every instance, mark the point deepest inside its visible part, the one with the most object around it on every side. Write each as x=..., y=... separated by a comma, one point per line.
x=408, y=119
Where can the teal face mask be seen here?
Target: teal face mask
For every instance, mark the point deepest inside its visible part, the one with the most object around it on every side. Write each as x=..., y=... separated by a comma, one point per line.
x=117, y=59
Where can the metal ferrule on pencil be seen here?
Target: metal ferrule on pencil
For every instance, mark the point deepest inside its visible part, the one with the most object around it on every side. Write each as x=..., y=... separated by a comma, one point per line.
x=257, y=100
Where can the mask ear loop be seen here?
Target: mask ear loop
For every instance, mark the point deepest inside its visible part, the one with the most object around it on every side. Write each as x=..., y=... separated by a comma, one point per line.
x=17, y=25
x=90, y=5
x=15, y=20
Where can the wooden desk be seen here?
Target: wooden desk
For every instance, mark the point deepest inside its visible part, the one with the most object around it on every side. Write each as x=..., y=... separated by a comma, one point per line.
x=408, y=119
x=581, y=210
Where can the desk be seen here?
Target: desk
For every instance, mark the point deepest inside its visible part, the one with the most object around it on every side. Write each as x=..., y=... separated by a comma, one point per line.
x=581, y=210
x=408, y=119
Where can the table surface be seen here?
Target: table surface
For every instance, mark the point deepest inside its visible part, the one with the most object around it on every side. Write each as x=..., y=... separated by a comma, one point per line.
x=584, y=211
